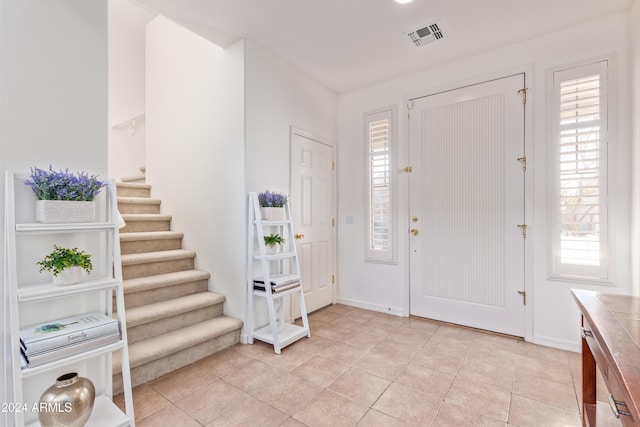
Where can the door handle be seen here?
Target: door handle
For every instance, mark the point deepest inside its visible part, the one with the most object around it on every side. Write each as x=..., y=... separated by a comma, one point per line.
x=613, y=404
x=299, y=236
x=414, y=231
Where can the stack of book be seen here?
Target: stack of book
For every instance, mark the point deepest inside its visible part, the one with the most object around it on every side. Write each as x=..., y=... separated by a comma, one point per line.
x=50, y=341
x=279, y=282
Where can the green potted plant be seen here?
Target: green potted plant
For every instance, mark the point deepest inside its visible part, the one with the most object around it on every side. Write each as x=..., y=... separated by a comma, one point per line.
x=273, y=242
x=66, y=265
x=272, y=205
x=63, y=196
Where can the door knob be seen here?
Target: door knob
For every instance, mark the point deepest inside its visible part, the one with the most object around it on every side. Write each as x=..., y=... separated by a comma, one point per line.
x=414, y=231
x=299, y=236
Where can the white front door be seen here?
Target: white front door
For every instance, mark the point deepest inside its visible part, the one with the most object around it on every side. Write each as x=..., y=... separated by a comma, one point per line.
x=466, y=202
x=313, y=222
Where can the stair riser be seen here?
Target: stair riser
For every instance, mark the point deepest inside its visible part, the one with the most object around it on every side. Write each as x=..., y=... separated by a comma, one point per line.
x=151, y=296
x=152, y=370
x=159, y=327
x=142, y=246
x=137, y=226
x=153, y=268
x=134, y=192
x=139, y=208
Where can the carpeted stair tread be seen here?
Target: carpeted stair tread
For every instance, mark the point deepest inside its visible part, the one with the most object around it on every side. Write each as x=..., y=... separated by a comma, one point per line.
x=140, y=284
x=150, y=235
x=151, y=349
x=159, y=310
x=133, y=189
x=160, y=256
x=139, y=200
x=146, y=217
x=135, y=179
x=138, y=205
x=136, y=185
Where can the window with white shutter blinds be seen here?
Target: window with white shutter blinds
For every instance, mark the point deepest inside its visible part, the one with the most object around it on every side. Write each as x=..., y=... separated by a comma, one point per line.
x=580, y=133
x=379, y=134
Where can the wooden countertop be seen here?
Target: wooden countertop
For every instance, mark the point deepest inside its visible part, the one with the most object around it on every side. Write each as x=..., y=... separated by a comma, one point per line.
x=615, y=324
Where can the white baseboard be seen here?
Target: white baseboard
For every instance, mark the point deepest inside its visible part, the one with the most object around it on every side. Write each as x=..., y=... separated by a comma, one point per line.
x=244, y=338
x=575, y=347
x=372, y=307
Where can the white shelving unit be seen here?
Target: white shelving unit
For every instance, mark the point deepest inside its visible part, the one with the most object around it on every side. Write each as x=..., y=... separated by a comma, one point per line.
x=278, y=266
x=30, y=298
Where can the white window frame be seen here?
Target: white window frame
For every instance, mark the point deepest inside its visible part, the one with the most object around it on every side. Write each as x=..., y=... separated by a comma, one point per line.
x=372, y=254
x=565, y=270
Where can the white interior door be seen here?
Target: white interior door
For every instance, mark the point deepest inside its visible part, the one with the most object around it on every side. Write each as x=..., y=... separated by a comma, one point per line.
x=313, y=223
x=467, y=200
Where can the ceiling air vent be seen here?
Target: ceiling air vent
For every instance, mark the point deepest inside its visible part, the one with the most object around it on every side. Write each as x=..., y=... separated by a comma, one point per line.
x=427, y=34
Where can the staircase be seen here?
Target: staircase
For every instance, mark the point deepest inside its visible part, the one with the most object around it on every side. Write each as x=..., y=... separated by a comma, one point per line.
x=172, y=318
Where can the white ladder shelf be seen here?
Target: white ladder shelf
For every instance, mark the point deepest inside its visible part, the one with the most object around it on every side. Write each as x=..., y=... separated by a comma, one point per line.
x=277, y=277
x=28, y=300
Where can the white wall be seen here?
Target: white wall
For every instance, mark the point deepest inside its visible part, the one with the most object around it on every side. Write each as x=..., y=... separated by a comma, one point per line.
x=634, y=57
x=279, y=96
x=385, y=287
x=127, y=23
x=197, y=97
x=53, y=90
x=195, y=149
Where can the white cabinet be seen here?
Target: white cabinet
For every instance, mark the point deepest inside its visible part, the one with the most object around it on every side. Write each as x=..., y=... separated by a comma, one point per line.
x=276, y=277
x=30, y=298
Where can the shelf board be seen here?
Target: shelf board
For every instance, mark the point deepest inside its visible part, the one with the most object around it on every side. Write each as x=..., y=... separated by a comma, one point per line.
x=49, y=290
x=267, y=222
x=28, y=372
x=272, y=257
x=280, y=277
x=287, y=334
x=105, y=414
x=279, y=294
x=66, y=227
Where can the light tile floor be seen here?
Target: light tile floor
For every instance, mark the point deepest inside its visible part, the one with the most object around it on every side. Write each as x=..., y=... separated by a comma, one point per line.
x=362, y=368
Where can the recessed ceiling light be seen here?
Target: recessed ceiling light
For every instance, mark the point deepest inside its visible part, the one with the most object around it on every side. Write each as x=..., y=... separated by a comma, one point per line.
x=403, y=1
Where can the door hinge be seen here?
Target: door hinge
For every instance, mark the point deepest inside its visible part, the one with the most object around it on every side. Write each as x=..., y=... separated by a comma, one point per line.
x=407, y=169
x=523, y=160
x=333, y=279
x=409, y=107
x=523, y=92
x=333, y=165
x=333, y=222
x=524, y=230
x=524, y=297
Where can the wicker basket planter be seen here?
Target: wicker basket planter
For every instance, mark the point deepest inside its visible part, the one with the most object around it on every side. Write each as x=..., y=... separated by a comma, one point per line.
x=64, y=211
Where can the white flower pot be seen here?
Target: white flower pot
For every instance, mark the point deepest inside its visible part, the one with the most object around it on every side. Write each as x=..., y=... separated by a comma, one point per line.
x=64, y=211
x=272, y=250
x=272, y=213
x=68, y=276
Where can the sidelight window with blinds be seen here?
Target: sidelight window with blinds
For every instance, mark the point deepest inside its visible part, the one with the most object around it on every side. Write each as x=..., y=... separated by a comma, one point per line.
x=379, y=141
x=580, y=136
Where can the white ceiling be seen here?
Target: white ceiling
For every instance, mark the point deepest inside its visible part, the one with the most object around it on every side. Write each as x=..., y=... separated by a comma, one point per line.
x=346, y=44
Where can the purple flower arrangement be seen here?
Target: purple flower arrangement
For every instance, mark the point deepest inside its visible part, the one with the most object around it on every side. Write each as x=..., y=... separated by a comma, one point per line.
x=62, y=185
x=268, y=199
